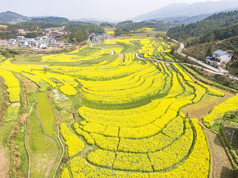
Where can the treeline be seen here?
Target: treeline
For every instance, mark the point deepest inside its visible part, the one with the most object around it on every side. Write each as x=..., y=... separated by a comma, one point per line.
x=196, y=30
x=50, y=19
x=107, y=24
x=127, y=27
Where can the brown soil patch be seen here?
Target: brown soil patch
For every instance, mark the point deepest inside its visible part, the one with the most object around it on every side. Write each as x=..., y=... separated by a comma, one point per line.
x=121, y=56
x=29, y=85
x=16, y=104
x=205, y=106
x=220, y=163
x=4, y=163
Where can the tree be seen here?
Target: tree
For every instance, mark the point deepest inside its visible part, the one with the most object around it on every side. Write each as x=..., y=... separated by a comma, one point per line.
x=209, y=51
x=31, y=35
x=78, y=35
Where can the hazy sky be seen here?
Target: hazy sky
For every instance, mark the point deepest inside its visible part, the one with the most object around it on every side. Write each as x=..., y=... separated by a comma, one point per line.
x=75, y=9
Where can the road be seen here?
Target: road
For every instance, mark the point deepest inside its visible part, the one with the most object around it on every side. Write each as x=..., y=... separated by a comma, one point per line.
x=179, y=51
x=112, y=52
x=157, y=60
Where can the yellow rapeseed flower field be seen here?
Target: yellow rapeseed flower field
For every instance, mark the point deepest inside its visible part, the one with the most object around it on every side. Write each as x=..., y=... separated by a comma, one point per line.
x=129, y=121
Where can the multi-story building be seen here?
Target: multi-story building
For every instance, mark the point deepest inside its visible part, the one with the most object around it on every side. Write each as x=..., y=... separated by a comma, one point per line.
x=219, y=59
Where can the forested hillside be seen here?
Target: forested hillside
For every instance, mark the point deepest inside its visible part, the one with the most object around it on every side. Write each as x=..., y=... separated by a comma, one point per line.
x=130, y=26
x=12, y=17
x=197, y=30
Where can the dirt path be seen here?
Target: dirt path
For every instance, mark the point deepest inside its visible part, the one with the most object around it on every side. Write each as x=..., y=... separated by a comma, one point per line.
x=121, y=56
x=220, y=163
x=4, y=162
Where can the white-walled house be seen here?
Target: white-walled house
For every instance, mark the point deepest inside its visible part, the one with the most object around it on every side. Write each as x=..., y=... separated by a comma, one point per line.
x=222, y=56
x=12, y=42
x=23, y=43
x=42, y=46
x=38, y=38
x=4, y=43
x=19, y=38
x=41, y=42
x=219, y=59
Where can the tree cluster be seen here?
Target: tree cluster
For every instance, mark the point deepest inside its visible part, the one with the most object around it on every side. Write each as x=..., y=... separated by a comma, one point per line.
x=131, y=27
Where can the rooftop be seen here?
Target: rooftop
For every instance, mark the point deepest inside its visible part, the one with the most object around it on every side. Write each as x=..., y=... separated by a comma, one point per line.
x=220, y=52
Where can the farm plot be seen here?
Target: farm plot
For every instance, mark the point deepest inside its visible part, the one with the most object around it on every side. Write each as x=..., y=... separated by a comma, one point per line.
x=43, y=147
x=219, y=111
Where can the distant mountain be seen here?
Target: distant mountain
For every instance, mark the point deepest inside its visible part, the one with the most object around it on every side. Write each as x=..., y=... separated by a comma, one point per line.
x=188, y=10
x=89, y=20
x=50, y=19
x=12, y=17
x=185, y=20
x=94, y=20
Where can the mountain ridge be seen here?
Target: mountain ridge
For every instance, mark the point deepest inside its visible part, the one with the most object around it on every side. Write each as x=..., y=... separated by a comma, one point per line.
x=12, y=17
x=187, y=10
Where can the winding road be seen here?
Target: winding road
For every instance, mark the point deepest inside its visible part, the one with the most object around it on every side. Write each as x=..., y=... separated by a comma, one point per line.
x=191, y=65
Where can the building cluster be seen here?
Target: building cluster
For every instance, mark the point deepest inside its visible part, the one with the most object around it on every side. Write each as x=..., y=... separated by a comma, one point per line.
x=50, y=32
x=55, y=32
x=41, y=42
x=219, y=59
x=96, y=39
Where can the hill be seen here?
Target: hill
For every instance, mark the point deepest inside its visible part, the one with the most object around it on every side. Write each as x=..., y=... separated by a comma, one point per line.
x=128, y=27
x=187, y=10
x=186, y=20
x=57, y=20
x=12, y=17
x=197, y=30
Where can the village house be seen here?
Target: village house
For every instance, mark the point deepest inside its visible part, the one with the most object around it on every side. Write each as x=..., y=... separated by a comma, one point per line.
x=34, y=44
x=23, y=43
x=12, y=42
x=219, y=59
x=51, y=40
x=19, y=38
x=39, y=38
x=55, y=32
x=107, y=36
x=58, y=45
x=30, y=41
x=42, y=46
x=4, y=43
x=21, y=31
x=44, y=37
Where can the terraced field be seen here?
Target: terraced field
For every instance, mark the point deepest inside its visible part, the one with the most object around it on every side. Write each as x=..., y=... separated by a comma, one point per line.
x=108, y=114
